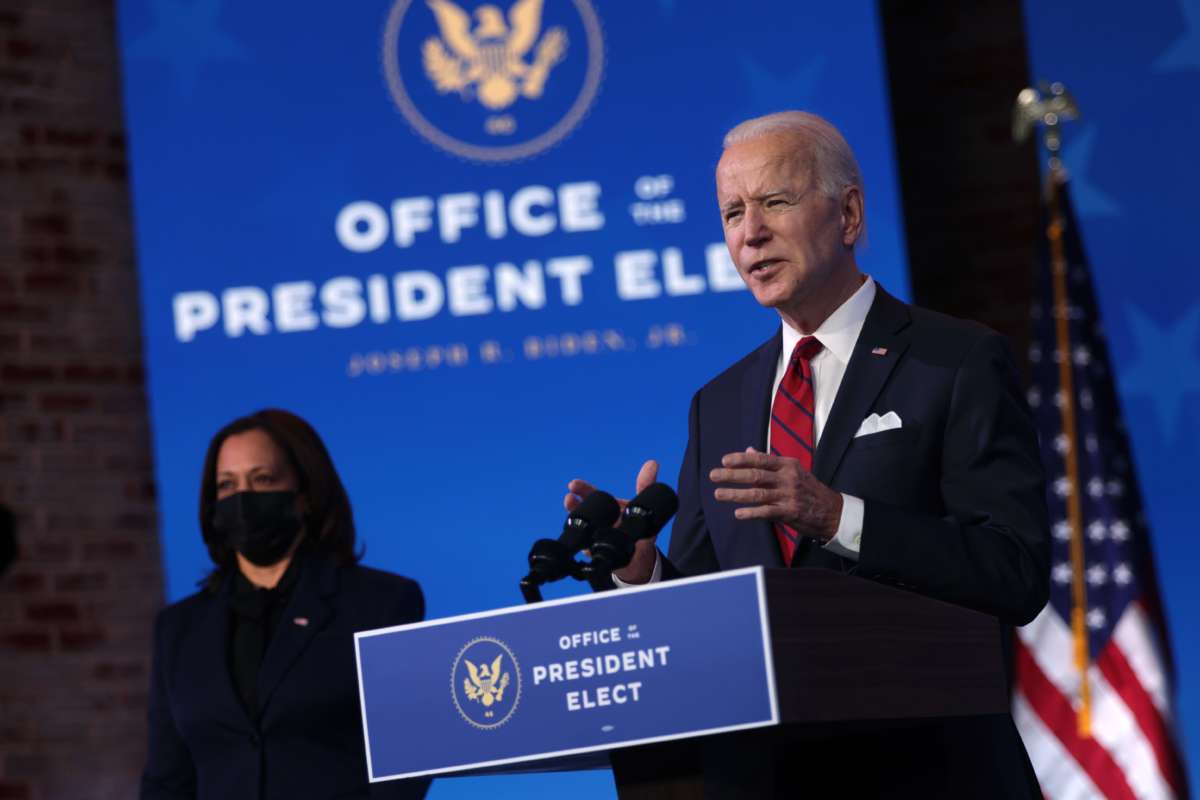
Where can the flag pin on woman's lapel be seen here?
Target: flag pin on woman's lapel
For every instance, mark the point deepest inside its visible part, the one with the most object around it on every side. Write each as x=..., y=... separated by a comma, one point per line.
x=301, y=621
x=879, y=351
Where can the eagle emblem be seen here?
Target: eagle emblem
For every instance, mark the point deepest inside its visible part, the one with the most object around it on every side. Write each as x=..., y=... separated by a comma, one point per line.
x=485, y=691
x=486, y=684
x=488, y=61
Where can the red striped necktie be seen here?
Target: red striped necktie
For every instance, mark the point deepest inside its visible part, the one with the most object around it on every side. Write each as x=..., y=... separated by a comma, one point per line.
x=792, y=424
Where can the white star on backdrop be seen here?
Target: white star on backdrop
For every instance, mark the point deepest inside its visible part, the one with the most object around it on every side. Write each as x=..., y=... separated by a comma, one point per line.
x=185, y=35
x=1166, y=367
x=1184, y=52
x=768, y=89
x=1090, y=201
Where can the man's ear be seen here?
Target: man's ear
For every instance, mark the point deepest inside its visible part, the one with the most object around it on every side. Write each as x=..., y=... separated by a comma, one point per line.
x=853, y=219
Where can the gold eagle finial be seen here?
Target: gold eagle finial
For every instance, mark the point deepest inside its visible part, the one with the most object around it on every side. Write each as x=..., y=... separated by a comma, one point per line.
x=489, y=60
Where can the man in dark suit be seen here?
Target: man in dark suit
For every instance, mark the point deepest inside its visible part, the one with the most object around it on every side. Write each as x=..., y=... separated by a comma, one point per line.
x=866, y=436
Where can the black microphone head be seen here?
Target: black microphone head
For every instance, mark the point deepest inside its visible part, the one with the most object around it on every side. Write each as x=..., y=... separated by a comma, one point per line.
x=549, y=560
x=611, y=549
x=647, y=513
x=598, y=510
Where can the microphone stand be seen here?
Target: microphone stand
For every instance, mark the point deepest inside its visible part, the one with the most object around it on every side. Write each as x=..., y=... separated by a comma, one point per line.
x=530, y=590
x=531, y=583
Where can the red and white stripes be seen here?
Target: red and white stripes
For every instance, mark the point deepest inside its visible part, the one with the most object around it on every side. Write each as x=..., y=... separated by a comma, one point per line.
x=1131, y=752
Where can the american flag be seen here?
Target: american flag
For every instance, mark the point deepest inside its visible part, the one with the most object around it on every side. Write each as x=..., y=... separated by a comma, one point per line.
x=1094, y=688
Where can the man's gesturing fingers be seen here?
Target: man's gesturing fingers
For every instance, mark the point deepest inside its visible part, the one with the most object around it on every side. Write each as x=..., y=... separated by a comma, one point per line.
x=752, y=476
x=577, y=490
x=752, y=458
x=757, y=495
x=646, y=476
x=779, y=489
x=750, y=467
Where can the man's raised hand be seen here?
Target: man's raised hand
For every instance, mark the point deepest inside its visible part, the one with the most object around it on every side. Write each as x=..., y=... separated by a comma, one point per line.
x=778, y=489
x=641, y=567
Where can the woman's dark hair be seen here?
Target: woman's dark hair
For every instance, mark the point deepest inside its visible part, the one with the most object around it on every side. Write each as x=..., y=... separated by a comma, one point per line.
x=329, y=523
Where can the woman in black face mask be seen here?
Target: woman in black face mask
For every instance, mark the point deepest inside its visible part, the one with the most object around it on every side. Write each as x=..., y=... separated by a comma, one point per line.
x=254, y=692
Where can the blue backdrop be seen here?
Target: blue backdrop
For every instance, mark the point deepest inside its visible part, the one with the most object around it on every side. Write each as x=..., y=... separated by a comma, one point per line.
x=476, y=247
x=1136, y=77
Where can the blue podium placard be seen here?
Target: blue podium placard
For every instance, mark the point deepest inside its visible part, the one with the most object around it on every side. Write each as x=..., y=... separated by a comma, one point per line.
x=567, y=677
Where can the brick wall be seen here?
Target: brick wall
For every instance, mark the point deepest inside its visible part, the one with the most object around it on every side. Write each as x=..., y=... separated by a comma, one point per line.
x=76, y=608
x=970, y=195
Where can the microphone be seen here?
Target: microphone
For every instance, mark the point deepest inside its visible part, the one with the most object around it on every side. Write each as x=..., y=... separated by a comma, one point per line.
x=611, y=549
x=551, y=560
x=647, y=513
x=643, y=518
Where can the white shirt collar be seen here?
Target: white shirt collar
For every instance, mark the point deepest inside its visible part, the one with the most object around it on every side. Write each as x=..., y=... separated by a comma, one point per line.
x=839, y=332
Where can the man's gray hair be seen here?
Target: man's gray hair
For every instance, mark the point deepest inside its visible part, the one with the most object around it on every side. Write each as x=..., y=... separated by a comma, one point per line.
x=834, y=165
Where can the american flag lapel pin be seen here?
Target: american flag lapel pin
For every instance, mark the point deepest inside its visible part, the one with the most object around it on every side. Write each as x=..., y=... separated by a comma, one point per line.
x=879, y=351
x=301, y=621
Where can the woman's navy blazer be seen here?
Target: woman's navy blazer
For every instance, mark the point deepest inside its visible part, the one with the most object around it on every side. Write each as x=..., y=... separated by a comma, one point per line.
x=308, y=738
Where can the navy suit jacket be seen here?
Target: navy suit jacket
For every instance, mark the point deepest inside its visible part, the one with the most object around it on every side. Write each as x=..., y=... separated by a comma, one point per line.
x=954, y=508
x=308, y=739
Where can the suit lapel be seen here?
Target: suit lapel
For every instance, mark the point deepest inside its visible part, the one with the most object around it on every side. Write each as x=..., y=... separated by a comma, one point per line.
x=885, y=327
x=758, y=535
x=308, y=611
x=206, y=660
x=756, y=392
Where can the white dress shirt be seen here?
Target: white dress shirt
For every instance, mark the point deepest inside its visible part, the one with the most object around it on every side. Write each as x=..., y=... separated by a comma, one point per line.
x=837, y=334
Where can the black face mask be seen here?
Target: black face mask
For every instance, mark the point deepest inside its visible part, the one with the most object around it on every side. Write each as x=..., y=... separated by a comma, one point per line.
x=259, y=525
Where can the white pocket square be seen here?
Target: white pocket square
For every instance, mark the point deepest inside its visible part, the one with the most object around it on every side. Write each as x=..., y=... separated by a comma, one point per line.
x=878, y=424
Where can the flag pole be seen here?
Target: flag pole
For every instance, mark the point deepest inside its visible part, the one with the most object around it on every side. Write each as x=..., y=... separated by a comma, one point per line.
x=1033, y=109
x=1062, y=312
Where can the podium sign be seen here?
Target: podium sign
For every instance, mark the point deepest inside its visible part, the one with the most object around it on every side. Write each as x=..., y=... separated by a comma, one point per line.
x=567, y=677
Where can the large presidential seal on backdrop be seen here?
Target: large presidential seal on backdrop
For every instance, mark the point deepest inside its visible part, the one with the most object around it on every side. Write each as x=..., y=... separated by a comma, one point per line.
x=493, y=81
x=485, y=682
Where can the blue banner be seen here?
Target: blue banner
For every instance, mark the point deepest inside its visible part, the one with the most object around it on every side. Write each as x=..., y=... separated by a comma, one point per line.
x=476, y=245
x=568, y=676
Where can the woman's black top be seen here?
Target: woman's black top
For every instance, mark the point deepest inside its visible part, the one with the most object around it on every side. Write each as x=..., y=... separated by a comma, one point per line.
x=256, y=612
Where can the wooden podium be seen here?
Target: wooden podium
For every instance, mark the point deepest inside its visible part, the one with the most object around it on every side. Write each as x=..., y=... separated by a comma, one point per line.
x=849, y=655
x=752, y=681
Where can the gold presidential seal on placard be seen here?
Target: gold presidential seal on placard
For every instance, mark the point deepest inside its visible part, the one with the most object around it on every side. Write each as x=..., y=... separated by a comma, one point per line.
x=490, y=83
x=485, y=682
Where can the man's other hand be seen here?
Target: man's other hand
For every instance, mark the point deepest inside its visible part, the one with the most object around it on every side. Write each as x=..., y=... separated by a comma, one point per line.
x=641, y=567
x=778, y=489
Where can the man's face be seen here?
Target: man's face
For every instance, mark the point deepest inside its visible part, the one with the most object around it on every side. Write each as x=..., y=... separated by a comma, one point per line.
x=784, y=235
